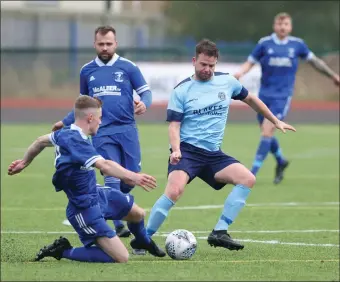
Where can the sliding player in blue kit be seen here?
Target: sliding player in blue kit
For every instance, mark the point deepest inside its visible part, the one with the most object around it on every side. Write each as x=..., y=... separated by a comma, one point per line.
x=197, y=115
x=112, y=79
x=89, y=205
x=278, y=56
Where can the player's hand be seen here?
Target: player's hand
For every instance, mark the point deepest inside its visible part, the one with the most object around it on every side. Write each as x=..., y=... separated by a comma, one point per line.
x=147, y=182
x=16, y=167
x=284, y=126
x=336, y=79
x=140, y=107
x=175, y=157
x=58, y=125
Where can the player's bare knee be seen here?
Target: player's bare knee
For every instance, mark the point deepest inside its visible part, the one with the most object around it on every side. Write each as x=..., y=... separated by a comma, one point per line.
x=135, y=215
x=174, y=191
x=122, y=258
x=248, y=180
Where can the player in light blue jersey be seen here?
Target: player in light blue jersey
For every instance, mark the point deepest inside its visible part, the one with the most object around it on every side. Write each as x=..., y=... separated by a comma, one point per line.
x=89, y=205
x=197, y=113
x=278, y=55
x=113, y=79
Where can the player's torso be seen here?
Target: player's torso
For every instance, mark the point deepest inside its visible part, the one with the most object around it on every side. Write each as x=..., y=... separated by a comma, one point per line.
x=112, y=85
x=77, y=181
x=206, y=108
x=108, y=81
x=279, y=64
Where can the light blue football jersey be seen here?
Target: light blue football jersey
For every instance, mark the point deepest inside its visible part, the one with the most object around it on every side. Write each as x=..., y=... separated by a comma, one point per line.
x=279, y=61
x=202, y=108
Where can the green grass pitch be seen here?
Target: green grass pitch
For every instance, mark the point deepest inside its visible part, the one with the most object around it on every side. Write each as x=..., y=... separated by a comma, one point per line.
x=290, y=231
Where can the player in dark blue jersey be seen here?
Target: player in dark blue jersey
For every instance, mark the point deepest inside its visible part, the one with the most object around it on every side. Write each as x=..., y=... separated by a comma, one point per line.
x=113, y=79
x=278, y=55
x=89, y=205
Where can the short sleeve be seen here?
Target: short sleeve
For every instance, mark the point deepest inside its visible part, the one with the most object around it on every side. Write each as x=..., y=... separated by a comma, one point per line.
x=257, y=53
x=83, y=152
x=304, y=52
x=239, y=92
x=175, y=111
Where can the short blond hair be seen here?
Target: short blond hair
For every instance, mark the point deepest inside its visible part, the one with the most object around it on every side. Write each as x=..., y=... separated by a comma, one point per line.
x=85, y=102
x=281, y=16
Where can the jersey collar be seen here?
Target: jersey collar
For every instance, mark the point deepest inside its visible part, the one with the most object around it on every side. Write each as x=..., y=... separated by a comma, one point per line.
x=278, y=41
x=109, y=63
x=75, y=127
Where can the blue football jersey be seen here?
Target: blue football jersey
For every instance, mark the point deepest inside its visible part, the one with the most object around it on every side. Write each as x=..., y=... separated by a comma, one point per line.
x=113, y=83
x=74, y=158
x=279, y=64
x=202, y=108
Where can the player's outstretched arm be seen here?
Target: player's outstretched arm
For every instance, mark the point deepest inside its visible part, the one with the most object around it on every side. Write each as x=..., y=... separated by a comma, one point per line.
x=107, y=167
x=246, y=67
x=33, y=150
x=257, y=105
x=322, y=67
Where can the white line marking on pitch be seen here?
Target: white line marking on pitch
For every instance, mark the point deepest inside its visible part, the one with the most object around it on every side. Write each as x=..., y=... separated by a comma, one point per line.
x=270, y=242
x=234, y=261
x=203, y=207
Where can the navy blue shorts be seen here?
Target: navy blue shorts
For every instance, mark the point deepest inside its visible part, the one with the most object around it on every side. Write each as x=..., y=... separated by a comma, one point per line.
x=202, y=163
x=114, y=204
x=90, y=223
x=122, y=148
x=279, y=107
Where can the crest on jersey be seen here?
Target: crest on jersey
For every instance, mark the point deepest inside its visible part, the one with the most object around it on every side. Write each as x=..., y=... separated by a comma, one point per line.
x=270, y=51
x=118, y=76
x=221, y=96
x=291, y=52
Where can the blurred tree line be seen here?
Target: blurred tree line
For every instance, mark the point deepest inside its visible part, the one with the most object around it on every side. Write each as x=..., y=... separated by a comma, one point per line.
x=317, y=22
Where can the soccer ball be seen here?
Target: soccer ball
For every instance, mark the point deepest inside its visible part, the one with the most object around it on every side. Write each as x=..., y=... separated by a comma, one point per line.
x=180, y=244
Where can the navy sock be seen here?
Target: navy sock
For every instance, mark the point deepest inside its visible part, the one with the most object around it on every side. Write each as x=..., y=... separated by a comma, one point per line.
x=276, y=151
x=115, y=184
x=91, y=254
x=139, y=231
x=261, y=153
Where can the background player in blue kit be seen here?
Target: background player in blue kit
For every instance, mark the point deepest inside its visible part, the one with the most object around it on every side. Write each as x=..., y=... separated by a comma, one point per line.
x=197, y=112
x=89, y=205
x=278, y=56
x=112, y=79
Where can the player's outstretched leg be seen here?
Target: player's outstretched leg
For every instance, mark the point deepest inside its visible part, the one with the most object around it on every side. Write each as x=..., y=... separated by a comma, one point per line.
x=115, y=251
x=282, y=163
x=119, y=225
x=54, y=250
x=244, y=180
x=261, y=154
x=142, y=241
x=177, y=180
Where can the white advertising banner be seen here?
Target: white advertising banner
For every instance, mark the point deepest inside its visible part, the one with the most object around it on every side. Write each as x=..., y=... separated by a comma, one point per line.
x=163, y=77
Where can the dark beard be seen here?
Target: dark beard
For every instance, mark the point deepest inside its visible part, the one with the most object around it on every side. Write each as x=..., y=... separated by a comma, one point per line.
x=106, y=60
x=201, y=78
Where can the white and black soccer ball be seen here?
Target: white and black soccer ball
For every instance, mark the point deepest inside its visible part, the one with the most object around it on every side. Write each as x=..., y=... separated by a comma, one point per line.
x=180, y=244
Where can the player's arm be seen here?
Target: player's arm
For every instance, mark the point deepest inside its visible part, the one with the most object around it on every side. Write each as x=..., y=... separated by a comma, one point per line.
x=258, y=106
x=33, y=150
x=108, y=167
x=252, y=59
x=142, y=89
x=175, y=114
x=69, y=118
x=305, y=53
x=322, y=67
